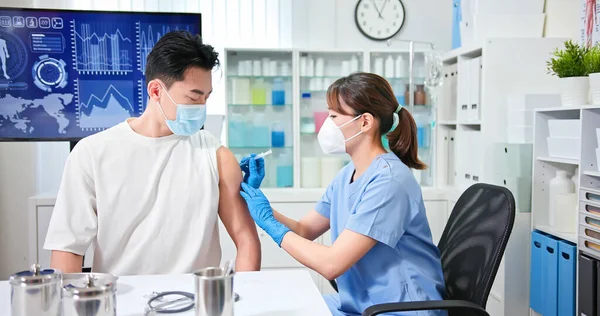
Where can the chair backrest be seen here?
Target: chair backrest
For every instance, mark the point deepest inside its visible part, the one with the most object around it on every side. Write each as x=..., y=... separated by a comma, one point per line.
x=474, y=241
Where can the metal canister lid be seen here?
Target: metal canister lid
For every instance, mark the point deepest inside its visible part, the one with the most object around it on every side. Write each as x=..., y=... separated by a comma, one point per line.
x=36, y=276
x=88, y=285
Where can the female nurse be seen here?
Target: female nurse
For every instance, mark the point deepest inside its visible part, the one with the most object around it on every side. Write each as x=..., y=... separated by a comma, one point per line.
x=382, y=249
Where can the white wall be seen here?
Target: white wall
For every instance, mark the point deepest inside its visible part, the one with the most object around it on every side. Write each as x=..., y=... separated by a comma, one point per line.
x=330, y=24
x=29, y=169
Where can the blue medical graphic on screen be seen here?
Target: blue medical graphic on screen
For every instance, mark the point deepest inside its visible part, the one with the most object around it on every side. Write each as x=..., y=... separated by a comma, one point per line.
x=65, y=75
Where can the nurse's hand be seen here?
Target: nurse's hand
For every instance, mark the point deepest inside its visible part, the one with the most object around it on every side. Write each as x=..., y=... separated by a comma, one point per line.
x=254, y=170
x=262, y=213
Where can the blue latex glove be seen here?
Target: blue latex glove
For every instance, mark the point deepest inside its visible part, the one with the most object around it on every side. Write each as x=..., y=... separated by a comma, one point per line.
x=262, y=213
x=254, y=170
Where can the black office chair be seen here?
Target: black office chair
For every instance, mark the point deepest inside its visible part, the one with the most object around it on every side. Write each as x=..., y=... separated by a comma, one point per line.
x=471, y=248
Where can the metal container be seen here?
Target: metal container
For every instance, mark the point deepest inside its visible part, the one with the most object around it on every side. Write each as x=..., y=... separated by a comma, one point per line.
x=89, y=294
x=214, y=292
x=36, y=292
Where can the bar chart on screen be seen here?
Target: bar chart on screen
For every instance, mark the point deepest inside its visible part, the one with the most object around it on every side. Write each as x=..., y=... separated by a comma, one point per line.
x=102, y=48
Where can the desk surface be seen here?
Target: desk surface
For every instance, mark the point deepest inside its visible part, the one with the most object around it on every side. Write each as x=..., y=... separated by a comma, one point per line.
x=264, y=293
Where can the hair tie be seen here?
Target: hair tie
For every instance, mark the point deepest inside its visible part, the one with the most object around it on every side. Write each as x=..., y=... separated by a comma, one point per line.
x=396, y=118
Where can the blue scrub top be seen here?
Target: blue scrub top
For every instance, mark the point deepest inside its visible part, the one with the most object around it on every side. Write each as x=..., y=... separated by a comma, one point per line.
x=386, y=204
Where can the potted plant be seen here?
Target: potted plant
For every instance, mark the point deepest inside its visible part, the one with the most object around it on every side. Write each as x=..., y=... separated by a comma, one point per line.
x=592, y=64
x=568, y=65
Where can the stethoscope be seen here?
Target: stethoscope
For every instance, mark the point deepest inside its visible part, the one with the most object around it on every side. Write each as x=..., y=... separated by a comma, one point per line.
x=180, y=302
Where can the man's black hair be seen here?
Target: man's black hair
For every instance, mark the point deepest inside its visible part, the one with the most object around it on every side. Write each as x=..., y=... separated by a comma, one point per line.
x=175, y=53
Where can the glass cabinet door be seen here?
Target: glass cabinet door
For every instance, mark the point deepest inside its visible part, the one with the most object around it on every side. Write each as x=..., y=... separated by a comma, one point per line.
x=260, y=112
x=317, y=71
x=395, y=67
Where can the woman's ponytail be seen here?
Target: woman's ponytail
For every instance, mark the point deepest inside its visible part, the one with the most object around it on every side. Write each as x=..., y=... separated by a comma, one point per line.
x=403, y=141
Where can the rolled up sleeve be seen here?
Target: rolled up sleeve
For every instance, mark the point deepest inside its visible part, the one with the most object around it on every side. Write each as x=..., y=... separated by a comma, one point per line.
x=323, y=207
x=74, y=223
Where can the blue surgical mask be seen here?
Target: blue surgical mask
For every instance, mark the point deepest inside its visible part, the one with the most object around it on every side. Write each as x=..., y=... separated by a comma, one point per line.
x=189, y=118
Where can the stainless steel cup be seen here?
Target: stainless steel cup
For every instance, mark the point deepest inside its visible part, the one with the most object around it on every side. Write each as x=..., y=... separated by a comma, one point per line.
x=89, y=294
x=214, y=292
x=36, y=292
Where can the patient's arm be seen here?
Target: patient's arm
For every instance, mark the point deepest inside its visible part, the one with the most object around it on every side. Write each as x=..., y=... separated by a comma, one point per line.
x=234, y=213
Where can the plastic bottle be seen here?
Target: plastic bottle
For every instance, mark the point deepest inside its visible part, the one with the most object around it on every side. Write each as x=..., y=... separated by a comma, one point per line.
x=237, y=130
x=307, y=121
x=400, y=67
x=560, y=184
x=259, y=93
x=277, y=135
x=399, y=92
x=310, y=67
x=354, y=67
x=278, y=93
x=261, y=132
x=389, y=67
x=575, y=179
x=285, y=171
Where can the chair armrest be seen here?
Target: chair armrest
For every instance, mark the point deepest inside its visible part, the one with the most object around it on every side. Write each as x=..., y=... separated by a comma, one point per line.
x=449, y=305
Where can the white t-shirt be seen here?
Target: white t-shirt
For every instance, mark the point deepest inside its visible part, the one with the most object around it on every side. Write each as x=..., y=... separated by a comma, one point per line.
x=149, y=205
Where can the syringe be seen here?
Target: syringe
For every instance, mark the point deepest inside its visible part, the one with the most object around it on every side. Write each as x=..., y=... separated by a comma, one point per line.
x=261, y=155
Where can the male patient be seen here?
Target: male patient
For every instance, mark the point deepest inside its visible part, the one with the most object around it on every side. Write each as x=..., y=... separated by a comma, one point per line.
x=147, y=191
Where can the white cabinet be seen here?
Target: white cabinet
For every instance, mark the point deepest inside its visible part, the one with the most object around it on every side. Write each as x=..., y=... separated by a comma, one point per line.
x=40, y=213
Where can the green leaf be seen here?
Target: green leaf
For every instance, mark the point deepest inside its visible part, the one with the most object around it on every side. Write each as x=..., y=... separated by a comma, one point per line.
x=569, y=62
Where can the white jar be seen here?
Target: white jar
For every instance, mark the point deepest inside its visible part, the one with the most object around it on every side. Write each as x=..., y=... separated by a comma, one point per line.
x=560, y=184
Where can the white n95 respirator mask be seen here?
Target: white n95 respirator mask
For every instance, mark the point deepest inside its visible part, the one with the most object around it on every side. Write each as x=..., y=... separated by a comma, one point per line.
x=331, y=139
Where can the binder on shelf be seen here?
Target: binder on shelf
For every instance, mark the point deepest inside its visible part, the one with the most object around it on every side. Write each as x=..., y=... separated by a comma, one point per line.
x=474, y=89
x=444, y=103
x=464, y=70
x=452, y=174
x=549, y=276
x=453, y=91
x=535, y=281
x=588, y=282
x=567, y=254
x=473, y=164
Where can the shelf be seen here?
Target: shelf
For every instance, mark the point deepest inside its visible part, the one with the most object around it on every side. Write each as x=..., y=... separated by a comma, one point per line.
x=474, y=123
x=470, y=50
x=261, y=105
x=565, y=236
x=452, y=122
x=405, y=79
x=321, y=77
x=567, y=108
x=592, y=173
x=312, y=91
x=559, y=160
x=261, y=77
x=259, y=148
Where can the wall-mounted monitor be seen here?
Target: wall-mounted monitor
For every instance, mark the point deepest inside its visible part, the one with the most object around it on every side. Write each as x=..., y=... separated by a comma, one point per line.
x=67, y=74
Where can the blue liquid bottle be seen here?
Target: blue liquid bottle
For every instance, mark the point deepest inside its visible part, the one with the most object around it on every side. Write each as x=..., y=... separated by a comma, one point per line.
x=277, y=135
x=278, y=92
x=285, y=171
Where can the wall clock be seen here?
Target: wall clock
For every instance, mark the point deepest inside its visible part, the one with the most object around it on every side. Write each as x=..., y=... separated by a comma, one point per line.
x=379, y=20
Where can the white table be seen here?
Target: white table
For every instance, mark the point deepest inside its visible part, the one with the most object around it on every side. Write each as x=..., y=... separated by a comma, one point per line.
x=264, y=293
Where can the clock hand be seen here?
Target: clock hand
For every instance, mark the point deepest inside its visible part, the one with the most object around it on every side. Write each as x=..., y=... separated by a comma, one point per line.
x=378, y=12
x=382, y=7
